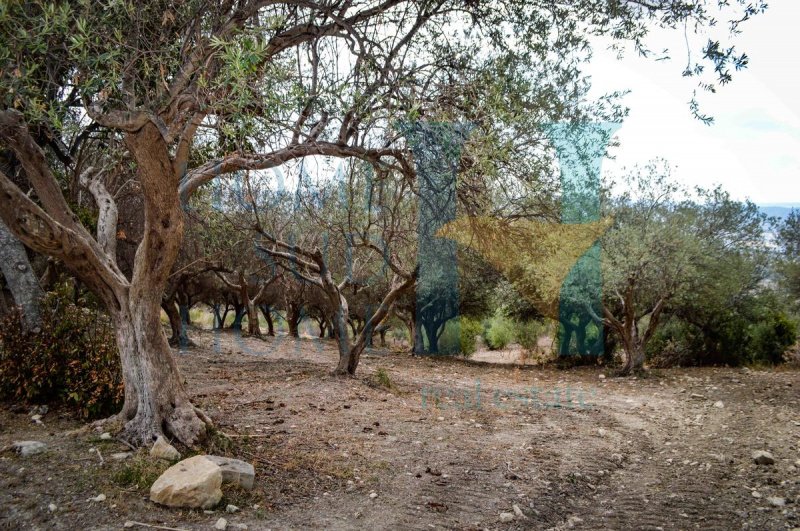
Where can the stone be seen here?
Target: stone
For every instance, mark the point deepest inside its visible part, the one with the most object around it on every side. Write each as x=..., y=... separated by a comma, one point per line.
x=105, y=436
x=776, y=501
x=518, y=512
x=762, y=457
x=373, y=495
x=52, y=507
x=235, y=471
x=28, y=448
x=719, y=404
x=797, y=463
x=193, y=483
x=221, y=524
x=163, y=450
x=231, y=508
x=602, y=376
x=506, y=517
x=99, y=498
x=121, y=456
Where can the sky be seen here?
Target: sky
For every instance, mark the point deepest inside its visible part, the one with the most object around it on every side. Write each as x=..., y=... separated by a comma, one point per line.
x=753, y=147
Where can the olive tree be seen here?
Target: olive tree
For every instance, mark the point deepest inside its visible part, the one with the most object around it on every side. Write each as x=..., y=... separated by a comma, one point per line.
x=265, y=82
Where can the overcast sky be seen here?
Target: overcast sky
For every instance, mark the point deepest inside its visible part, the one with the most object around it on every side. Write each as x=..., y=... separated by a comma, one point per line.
x=753, y=148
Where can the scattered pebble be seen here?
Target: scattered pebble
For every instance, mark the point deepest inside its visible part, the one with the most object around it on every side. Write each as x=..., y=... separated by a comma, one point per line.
x=506, y=517
x=373, y=495
x=221, y=524
x=105, y=436
x=52, y=507
x=719, y=404
x=231, y=508
x=518, y=512
x=762, y=457
x=776, y=501
x=98, y=498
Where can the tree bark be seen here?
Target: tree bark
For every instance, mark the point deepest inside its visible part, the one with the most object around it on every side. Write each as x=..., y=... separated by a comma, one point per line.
x=293, y=319
x=267, y=312
x=20, y=277
x=156, y=401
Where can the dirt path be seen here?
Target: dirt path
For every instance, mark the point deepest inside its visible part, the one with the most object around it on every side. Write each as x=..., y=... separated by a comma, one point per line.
x=450, y=445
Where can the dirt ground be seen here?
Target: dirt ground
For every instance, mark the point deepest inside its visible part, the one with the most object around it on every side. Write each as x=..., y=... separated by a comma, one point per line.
x=442, y=444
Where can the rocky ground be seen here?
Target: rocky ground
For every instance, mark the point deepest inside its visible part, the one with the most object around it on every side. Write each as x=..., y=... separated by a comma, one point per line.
x=417, y=443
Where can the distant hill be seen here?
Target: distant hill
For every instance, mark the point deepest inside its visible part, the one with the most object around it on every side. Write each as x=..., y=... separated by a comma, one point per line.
x=779, y=211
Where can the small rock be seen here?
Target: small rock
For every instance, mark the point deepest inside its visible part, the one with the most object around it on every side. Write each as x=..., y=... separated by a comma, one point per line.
x=52, y=507
x=776, y=501
x=121, y=456
x=756, y=494
x=797, y=463
x=105, y=436
x=373, y=495
x=602, y=376
x=99, y=498
x=221, y=524
x=518, y=512
x=194, y=482
x=231, y=508
x=719, y=404
x=572, y=521
x=243, y=527
x=762, y=457
x=27, y=448
x=163, y=450
x=235, y=471
x=506, y=517
x=128, y=523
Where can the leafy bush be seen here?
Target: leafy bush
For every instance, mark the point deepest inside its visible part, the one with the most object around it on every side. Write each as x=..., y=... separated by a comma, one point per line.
x=470, y=330
x=459, y=336
x=500, y=331
x=770, y=338
x=73, y=359
x=528, y=333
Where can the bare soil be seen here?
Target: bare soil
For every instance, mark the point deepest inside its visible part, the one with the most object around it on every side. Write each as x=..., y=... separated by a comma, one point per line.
x=442, y=443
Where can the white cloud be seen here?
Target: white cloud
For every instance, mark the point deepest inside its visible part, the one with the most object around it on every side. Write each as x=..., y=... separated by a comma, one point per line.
x=753, y=149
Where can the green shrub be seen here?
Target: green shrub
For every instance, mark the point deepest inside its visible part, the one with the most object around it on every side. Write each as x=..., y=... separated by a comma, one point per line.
x=528, y=333
x=770, y=338
x=500, y=331
x=73, y=359
x=470, y=330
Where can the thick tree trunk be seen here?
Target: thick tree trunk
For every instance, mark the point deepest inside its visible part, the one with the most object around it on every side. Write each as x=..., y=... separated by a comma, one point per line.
x=179, y=337
x=431, y=329
x=293, y=320
x=217, y=317
x=186, y=318
x=267, y=312
x=565, y=339
x=253, y=325
x=155, y=399
x=238, y=317
x=19, y=276
x=634, y=358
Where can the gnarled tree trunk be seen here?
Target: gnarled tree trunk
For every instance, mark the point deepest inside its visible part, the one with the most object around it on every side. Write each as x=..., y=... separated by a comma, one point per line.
x=156, y=401
x=19, y=276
